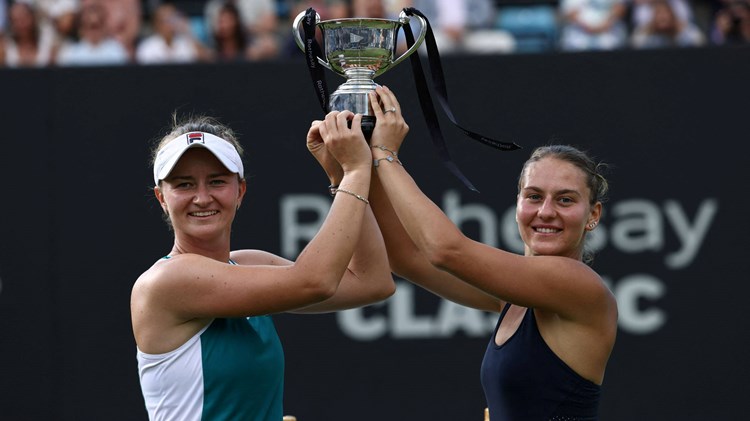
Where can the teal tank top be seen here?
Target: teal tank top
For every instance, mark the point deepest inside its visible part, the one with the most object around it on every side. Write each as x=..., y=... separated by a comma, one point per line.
x=243, y=370
x=233, y=369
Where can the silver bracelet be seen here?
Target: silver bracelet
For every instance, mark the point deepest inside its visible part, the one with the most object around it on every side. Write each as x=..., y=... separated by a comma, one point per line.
x=384, y=149
x=362, y=198
x=376, y=162
x=393, y=157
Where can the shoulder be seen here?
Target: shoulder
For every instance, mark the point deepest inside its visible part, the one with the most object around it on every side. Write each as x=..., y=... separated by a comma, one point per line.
x=578, y=288
x=151, y=41
x=586, y=279
x=146, y=281
x=169, y=282
x=167, y=271
x=252, y=257
x=595, y=297
x=150, y=44
x=161, y=322
x=113, y=44
x=69, y=48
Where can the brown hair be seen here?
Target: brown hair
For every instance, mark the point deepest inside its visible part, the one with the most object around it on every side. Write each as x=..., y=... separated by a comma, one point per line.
x=597, y=184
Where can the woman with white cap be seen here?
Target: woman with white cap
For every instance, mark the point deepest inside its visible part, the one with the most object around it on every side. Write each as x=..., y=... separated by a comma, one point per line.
x=207, y=348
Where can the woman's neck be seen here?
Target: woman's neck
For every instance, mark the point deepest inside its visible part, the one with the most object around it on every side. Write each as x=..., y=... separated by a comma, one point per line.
x=218, y=249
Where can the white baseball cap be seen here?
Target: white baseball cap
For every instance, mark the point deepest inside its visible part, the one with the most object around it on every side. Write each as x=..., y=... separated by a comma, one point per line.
x=168, y=156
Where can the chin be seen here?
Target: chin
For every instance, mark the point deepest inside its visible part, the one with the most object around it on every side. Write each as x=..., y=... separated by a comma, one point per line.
x=208, y=230
x=546, y=250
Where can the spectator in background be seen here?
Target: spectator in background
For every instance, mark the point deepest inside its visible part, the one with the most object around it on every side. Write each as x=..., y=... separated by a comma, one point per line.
x=124, y=19
x=592, y=25
x=57, y=18
x=172, y=41
x=464, y=26
x=368, y=9
x=260, y=20
x=666, y=30
x=642, y=11
x=229, y=36
x=327, y=9
x=95, y=45
x=377, y=9
x=732, y=23
x=24, y=45
x=447, y=19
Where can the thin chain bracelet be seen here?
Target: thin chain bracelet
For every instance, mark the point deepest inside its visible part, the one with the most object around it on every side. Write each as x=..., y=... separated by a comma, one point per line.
x=362, y=198
x=376, y=162
x=383, y=148
x=393, y=157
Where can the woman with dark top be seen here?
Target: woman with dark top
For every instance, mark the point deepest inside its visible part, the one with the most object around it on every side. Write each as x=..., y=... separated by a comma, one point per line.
x=558, y=320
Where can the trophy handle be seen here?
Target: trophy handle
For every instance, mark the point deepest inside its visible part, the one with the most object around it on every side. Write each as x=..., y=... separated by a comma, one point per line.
x=403, y=18
x=298, y=38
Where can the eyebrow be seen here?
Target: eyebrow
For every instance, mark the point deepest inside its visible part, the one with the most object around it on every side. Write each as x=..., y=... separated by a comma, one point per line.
x=557, y=193
x=179, y=178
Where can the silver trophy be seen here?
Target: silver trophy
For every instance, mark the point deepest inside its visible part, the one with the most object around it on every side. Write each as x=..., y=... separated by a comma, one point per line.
x=359, y=49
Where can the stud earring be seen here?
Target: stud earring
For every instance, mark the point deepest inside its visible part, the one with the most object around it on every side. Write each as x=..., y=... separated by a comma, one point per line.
x=592, y=225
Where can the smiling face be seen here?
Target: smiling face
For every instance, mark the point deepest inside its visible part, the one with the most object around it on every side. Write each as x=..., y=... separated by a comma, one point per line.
x=201, y=196
x=554, y=208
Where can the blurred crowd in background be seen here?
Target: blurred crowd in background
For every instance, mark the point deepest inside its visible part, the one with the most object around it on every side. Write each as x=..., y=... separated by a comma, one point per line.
x=40, y=33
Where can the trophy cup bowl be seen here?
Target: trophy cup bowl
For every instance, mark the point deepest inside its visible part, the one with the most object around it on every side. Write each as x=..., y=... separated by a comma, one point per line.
x=359, y=49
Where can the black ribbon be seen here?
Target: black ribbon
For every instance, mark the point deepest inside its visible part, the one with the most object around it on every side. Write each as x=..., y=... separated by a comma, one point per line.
x=425, y=99
x=312, y=52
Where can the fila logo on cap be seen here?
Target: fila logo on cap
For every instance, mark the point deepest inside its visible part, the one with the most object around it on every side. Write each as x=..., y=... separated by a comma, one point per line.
x=195, y=137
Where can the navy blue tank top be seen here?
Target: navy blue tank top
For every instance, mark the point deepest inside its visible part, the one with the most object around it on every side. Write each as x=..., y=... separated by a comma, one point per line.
x=524, y=380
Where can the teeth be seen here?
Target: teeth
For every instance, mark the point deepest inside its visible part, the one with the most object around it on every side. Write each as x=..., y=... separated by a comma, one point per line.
x=546, y=230
x=206, y=213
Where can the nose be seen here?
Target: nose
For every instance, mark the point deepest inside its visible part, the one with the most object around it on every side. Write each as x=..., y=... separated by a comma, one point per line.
x=202, y=195
x=547, y=209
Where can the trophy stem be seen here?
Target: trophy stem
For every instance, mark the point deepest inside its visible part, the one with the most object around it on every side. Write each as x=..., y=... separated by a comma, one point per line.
x=359, y=73
x=353, y=95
